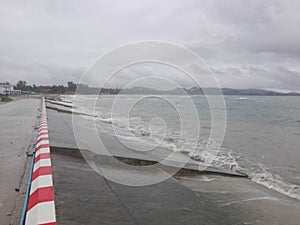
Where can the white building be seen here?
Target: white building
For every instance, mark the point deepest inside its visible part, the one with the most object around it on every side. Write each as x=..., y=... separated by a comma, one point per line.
x=7, y=89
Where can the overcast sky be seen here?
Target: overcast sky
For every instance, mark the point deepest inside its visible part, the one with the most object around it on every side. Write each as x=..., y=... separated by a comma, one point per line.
x=248, y=44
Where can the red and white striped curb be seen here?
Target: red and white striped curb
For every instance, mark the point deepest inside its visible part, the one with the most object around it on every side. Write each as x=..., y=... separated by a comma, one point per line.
x=41, y=207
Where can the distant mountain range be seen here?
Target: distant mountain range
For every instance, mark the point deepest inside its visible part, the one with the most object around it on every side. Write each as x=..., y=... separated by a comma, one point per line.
x=84, y=89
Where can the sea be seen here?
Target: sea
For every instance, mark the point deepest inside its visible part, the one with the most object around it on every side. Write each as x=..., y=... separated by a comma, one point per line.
x=262, y=136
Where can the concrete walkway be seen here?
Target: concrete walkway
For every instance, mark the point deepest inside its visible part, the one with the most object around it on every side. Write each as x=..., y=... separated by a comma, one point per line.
x=17, y=121
x=84, y=197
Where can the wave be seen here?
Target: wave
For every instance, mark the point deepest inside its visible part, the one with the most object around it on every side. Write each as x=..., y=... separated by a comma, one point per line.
x=224, y=158
x=267, y=179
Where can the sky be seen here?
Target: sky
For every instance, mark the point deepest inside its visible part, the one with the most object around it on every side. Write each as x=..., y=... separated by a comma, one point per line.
x=247, y=44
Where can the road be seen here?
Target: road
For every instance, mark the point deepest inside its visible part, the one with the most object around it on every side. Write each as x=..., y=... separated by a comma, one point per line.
x=17, y=121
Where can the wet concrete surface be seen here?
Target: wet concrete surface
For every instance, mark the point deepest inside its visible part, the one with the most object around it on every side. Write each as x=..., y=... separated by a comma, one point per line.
x=85, y=197
x=77, y=132
x=17, y=120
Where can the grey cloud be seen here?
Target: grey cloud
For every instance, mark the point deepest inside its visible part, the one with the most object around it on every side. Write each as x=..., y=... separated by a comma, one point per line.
x=248, y=43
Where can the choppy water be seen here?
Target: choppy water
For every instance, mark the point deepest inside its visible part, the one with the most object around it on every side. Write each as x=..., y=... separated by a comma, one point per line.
x=262, y=135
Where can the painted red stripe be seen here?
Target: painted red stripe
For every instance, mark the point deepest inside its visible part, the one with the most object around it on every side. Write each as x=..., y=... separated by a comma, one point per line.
x=44, y=194
x=42, y=146
x=54, y=223
x=45, y=170
x=43, y=133
x=42, y=139
x=42, y=156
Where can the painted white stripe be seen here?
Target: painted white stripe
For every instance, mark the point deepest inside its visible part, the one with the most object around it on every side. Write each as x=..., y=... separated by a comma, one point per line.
x=41, y=181
x=41, y=213
x=41, y=151
x=40, y=163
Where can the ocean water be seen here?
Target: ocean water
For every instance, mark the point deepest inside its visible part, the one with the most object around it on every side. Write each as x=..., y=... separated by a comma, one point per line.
x=262, y=136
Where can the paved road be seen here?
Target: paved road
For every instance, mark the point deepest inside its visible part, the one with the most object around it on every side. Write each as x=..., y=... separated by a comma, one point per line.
x=17, y=121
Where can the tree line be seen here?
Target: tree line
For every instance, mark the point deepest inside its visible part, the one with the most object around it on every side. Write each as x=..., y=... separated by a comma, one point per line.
x=51, y=89
x=70, y=88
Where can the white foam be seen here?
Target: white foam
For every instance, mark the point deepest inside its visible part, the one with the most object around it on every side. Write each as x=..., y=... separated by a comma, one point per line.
x=267, y=179
x=206, y=152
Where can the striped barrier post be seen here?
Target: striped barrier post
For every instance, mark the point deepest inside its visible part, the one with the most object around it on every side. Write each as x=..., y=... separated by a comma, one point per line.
x=41, y=207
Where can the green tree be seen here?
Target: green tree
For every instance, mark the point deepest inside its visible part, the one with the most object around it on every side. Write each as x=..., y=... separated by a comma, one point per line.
x=71, y=86
x=21, y=85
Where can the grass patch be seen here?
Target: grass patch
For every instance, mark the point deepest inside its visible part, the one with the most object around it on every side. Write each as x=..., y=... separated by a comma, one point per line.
x=5, y=99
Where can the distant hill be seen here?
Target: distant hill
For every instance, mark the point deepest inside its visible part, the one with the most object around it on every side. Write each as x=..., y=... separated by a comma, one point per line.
x=209, y=91
x=181, y=91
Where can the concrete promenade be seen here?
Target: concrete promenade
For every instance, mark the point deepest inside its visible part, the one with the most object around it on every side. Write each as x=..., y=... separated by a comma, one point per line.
x=17, y=121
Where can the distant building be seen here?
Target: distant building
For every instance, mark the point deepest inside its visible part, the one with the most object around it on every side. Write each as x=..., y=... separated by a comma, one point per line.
x=7, y=89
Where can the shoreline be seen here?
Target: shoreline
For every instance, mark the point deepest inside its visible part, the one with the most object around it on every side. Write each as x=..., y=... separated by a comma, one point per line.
x=61, y=108
x=132, y=156
x=237, y=197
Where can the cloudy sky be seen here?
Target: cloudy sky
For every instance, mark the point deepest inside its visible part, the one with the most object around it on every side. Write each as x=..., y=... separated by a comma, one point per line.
x=248, y=44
